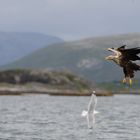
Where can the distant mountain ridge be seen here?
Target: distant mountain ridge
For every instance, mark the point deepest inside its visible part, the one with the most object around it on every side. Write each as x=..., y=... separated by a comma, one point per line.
x=85, y=57
x=14, y=45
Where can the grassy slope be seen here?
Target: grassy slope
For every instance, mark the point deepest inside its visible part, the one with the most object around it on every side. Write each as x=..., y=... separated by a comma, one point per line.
x=85, y=57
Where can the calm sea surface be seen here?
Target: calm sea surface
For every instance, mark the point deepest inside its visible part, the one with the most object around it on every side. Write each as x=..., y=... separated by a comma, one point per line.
x=43, y=117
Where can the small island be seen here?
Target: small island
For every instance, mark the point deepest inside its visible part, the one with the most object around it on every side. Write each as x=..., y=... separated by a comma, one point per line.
x=27, y=81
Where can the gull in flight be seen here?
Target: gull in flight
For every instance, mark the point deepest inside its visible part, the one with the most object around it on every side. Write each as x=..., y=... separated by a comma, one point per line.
x=90, y=113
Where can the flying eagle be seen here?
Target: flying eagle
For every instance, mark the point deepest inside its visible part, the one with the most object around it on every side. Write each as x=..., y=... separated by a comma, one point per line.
x=124, y=58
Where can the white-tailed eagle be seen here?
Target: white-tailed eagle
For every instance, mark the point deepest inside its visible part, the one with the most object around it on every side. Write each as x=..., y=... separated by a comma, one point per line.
x=124, y=58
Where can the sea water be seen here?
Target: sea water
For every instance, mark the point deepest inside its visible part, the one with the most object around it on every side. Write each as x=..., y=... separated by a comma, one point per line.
x=44, y=117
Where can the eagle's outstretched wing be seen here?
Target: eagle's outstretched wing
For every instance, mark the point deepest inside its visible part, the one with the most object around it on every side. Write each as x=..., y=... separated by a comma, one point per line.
x=121, y=48
x=129, y=54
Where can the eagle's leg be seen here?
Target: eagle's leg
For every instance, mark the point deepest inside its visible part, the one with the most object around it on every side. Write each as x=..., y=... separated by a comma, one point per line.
x=124, y=80
x=130, y=81
x=127, y=80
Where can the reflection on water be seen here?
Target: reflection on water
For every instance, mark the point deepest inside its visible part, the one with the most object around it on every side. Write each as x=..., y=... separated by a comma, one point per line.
x=43, y=117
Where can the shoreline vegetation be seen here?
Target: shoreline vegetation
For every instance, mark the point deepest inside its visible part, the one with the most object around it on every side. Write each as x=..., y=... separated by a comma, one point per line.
x=25, y=81
x=56, y=83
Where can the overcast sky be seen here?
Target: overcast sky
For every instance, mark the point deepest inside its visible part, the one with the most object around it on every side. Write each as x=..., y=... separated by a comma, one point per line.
x=71, y=19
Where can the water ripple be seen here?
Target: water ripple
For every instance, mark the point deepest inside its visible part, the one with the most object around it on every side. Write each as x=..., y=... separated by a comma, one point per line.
x=42, y=117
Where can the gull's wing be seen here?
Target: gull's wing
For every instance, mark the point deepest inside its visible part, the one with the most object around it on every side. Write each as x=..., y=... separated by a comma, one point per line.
x=90, y=120
x=92, y=103
x=91, y=109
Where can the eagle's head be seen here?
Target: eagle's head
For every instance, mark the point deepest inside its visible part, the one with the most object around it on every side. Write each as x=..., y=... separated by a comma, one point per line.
x=115, y=54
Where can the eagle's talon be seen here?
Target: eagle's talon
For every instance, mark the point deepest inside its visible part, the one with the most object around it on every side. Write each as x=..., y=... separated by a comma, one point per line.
x=130, y=82
x=124, y=81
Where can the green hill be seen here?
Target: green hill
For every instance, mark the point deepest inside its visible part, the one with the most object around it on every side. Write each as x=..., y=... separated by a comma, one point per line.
x=85, y=57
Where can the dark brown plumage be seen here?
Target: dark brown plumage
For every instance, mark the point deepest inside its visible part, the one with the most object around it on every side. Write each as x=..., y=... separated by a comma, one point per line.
x=124, y=58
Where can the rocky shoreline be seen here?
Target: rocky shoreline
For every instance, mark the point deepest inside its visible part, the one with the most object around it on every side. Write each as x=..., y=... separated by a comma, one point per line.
x=53, y=92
